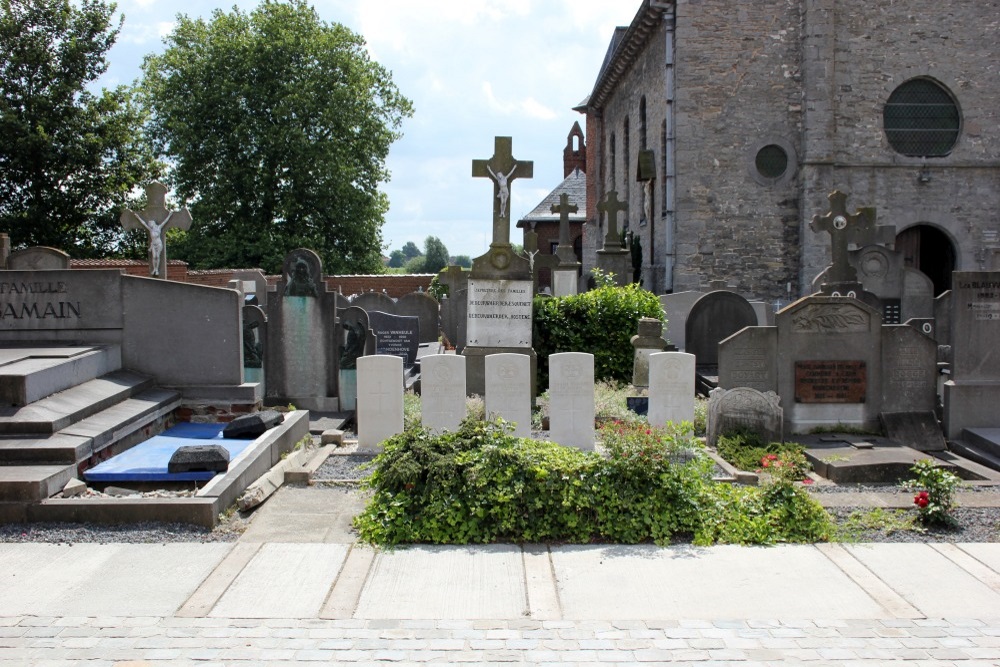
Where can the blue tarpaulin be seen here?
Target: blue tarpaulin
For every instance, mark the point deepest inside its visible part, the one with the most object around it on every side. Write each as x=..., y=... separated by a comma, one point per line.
x=147, y=461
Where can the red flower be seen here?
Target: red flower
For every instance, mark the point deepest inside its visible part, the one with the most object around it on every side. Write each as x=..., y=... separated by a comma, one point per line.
x=922, y=499
x=765, y=463
x=807, y=480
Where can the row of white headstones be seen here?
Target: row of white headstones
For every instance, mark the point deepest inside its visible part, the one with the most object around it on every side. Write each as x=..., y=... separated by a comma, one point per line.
x=508, y=394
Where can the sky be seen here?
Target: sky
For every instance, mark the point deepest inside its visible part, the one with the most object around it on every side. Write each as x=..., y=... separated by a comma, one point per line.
x=474, y=69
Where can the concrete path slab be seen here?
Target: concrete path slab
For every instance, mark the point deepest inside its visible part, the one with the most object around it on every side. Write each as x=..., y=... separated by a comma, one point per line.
x=988, y=554
x=301, y=514
x=283, y=581
x=102, y=579
x=648, y=582
x=445, y=582
x=930, y=581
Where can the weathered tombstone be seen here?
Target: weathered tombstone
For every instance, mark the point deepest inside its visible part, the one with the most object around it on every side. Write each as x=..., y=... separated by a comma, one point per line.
x=254, y=343
x=508, y=390
x=539, y=263
x=39, y=258
x=396, y=334
x=426, y=309
x=713, y=318
x=909, y=370
x=380, y=400
x=356, y=339
x=648, y=341
x=844, y=229
x=500, y=283
x=371, y=301
x=442, y=391
x=155, y=219
x=253, y=284
x=972, y=395
x=671, y=387
x=744, y=409
x=571, y=399
x=677, y=306
x=455, y=282
x=300, y=359
x=749, y=358
x=565, y=277
x=614, y=257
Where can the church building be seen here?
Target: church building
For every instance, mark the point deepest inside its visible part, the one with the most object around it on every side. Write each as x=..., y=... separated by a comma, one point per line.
x=725, y=125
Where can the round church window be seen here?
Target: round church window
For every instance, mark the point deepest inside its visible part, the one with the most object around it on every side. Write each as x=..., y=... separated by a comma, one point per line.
x=921, y=119
x=772, y=161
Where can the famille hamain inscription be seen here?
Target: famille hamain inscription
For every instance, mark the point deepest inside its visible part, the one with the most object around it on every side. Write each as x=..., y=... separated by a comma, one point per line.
x=37, y=300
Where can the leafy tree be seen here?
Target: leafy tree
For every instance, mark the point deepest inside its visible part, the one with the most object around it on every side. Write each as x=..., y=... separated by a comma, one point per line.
x=68, y=157
x=435, y=254
x=463, y=261
x=278, y=126
x=396, y=259
x=416, y=265
x=410, y=250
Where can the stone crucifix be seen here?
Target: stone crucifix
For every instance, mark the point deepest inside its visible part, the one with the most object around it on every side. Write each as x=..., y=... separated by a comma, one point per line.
x=156, y=220
x=564, y=251
x=611, y=207
x=502, y=169
x=844, y=229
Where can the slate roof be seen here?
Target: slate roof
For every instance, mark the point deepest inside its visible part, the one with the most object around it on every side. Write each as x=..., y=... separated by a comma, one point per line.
x=575, y=185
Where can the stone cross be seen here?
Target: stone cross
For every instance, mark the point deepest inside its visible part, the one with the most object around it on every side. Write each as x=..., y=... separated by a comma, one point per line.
x=612, y=207
x=565, y=249
x=156, y=220
x=502, y=169
x=844, y=229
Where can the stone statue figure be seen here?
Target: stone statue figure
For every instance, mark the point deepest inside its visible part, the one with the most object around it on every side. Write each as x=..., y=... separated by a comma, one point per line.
x=155, y=240
x=504, y=193
x=355, y=345
x=300, y=280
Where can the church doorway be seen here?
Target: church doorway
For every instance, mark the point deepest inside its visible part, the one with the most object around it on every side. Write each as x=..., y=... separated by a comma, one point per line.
x=928, y=249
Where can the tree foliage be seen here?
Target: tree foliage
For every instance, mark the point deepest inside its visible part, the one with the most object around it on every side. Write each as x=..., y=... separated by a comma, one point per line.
x=278, y=126
x=435, y=255
x=68, y=157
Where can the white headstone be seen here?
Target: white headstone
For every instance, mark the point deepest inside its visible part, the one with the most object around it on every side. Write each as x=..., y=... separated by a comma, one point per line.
x=508, y=390
x=571, y=399
x=442, y=391
x=671, y=388
x=380, y=400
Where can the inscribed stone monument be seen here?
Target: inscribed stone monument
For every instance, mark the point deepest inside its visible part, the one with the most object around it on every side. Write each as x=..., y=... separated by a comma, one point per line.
x=396, y=334
x=442, y=391
x=744, y=409
x=508, y=390
x=571, y=399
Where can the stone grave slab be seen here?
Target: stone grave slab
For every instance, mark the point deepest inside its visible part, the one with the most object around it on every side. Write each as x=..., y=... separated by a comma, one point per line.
x=859, y=459
x=919, y=430
x=571, y=399
x=380, y=400
x=442, y=391
x=397, y=335
x=508, y=390
x=671, y=387
x=744, y=409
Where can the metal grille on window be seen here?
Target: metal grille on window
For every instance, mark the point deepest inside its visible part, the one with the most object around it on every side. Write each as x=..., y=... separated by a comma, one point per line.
x=921, y=119
x=772, y=161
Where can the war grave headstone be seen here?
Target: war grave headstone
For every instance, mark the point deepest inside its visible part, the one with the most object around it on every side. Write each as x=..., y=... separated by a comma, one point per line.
x=671, y=388
x=508, y=390
x=396, y=334
x=301, y=361
x=442, y=391
x=39, y=258
x=648, y=341
x=155, y=220
x=499, y=299
x=380, y=400
x=566, y=275
x=972, y=395
x=744, y=409
x=571, y=399
x=613, y=257
x=356, y=339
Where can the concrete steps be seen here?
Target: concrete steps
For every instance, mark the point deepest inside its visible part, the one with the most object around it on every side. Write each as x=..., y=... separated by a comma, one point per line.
x=981, y=445
x=33, y=483
x=30, y=374
x=59, y=410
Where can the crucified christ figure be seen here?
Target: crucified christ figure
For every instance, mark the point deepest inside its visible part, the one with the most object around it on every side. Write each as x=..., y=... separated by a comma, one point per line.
x=504, y=193
x=155, y=230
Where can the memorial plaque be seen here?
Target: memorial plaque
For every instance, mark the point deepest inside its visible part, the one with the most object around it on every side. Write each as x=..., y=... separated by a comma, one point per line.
x=398, y=335
x=830, y=381
x=499, y=313
x=891, y=311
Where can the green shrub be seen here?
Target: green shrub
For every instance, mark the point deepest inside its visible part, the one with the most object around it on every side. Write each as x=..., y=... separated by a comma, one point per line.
x=935, y=489
x=601, y=322
x=746, y=451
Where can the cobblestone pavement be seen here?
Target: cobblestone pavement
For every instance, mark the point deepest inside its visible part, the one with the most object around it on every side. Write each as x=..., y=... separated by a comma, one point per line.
x=140, y=641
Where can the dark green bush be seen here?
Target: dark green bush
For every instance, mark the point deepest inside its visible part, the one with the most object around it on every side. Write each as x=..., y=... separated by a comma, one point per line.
x=601, y=322
x=746, y=450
